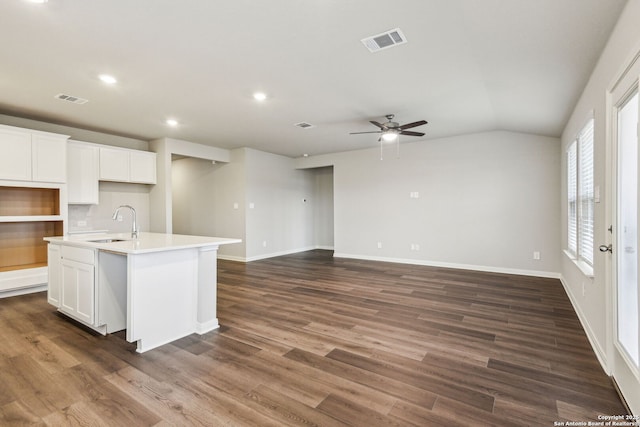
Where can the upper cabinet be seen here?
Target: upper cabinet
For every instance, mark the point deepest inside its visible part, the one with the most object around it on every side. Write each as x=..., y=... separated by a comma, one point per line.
x=124, y=165
x=29, y=155
x=142, y=167
x=82, y=173
x=49, y=158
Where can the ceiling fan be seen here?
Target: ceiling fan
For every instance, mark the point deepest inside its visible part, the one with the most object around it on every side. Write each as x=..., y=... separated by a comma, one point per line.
x=390, y=130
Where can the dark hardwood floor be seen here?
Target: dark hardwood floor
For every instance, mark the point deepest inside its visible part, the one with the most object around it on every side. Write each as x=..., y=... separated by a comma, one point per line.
x=311, y=340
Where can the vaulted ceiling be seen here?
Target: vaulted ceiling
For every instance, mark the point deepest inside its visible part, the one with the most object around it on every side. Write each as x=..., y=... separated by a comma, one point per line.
x=467, y=66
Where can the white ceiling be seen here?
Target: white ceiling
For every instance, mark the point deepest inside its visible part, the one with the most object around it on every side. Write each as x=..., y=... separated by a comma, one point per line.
x=468, y=66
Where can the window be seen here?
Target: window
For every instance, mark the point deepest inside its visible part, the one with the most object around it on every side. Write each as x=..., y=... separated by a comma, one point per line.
x=580, y=196
x=572, y=206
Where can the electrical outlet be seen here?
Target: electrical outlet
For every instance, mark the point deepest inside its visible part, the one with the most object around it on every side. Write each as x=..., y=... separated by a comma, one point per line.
x=120, y=218
x=82, y=223
x=379, y=245
x=536, y=255
x=264, y=243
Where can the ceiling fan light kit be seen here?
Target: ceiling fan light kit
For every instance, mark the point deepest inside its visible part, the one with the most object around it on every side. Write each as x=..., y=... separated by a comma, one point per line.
x=389, y=136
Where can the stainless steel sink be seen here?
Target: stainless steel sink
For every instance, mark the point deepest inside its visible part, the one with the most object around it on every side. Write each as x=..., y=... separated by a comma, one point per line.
x=107, y=240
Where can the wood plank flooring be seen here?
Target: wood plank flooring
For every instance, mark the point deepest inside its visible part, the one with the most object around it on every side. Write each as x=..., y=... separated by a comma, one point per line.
x=310, y=340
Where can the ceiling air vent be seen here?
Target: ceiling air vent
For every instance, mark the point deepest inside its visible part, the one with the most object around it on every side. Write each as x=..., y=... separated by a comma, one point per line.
x=385, y=40
x=70, y=98
x=304, y=125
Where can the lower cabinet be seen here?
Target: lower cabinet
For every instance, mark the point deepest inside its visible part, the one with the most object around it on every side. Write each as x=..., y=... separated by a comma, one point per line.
x=89, y=286
x=77, y=275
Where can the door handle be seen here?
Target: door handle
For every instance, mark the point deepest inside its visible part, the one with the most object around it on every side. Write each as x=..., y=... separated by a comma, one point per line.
x=606, y=248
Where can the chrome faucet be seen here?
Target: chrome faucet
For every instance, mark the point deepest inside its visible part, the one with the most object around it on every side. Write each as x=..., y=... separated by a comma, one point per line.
x=134, y=225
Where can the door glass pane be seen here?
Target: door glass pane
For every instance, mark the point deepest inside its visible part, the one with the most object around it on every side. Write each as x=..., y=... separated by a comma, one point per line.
x=627, y=228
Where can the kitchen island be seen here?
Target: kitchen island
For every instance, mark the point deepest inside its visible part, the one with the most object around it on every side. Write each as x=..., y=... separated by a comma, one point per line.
x=159, y=287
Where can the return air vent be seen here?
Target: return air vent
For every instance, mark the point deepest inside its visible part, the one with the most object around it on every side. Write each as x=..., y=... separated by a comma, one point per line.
x=385, y=40
x=304, y=125
x=73, y=99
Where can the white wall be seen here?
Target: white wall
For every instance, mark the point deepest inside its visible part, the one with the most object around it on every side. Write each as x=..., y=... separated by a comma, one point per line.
x=486, y=201
x=279, y=209
x=112, y=195
x=280, y=220
x=203, y=198
x=193, y=198
x=590, y=306
x=161, y=193
x=322, y=205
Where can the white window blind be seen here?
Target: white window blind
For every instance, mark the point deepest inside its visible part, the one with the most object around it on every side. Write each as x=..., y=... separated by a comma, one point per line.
x=580, y=195
x=572, y=198
x=585, y=194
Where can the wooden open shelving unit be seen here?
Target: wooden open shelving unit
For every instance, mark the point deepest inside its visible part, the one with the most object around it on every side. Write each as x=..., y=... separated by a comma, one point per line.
x=27, y=214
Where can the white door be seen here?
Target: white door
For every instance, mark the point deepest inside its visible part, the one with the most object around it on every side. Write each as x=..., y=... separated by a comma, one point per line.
x=15, y=161
x=77, y=290
x=625, y=335
x=49, y=158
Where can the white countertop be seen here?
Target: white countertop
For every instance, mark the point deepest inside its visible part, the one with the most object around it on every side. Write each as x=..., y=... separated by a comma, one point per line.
x=145, y=243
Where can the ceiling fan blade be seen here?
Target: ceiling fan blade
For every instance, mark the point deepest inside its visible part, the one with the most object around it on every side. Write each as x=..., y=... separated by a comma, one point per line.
x=381, y=126
x=412, y=125
x=357, y=133
x=411, y=133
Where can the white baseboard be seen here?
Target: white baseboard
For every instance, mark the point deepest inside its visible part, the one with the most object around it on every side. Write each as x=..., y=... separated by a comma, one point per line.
x=601, y=354
x=281, y=253
x=272, y=254
x=502, y=270
x=231, y=258
x=25, y=278
x=23, y=291
x=203, y=328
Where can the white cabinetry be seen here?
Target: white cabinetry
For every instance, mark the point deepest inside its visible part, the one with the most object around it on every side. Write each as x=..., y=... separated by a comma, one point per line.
x=15, y=161
x=29, y=155
x=48, y=158
x=78, y=283
x=114, y=164
x=29, y=211
x=142, y=165
x=82, y=173
x=123, y=165
x=54, y=275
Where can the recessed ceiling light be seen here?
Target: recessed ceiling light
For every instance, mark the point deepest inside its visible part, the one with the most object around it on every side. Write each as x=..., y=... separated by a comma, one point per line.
x=106, y=78
x=37, y=1
x=172, y=122
x=259, y=96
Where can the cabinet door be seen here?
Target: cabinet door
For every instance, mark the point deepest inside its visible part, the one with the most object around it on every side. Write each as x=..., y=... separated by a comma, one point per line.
x=49, y=154
x=54, y=274
x=78, y=290
x=82, y=173
x=142, y=167
x=114, y=164
x=15, y=160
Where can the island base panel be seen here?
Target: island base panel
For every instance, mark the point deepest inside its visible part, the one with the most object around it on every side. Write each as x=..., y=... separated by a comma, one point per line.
x=162, y=297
